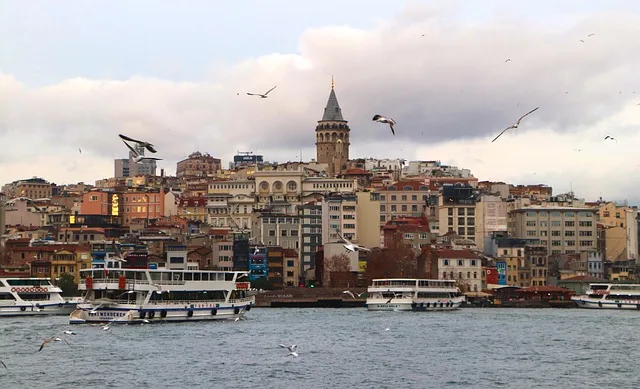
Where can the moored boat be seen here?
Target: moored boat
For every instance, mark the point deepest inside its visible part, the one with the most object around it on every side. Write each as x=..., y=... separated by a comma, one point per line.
x=610, y=296
x=399, y=294
x=161, y=295
x=32, y=296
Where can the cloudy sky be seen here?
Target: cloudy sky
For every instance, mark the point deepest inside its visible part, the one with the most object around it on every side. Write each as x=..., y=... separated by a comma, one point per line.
x=74, y=74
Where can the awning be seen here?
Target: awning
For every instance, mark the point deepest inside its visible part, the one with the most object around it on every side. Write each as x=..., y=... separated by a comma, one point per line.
x=477, y=294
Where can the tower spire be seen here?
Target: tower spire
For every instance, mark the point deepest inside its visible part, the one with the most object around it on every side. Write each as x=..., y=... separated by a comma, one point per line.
x=332, y=84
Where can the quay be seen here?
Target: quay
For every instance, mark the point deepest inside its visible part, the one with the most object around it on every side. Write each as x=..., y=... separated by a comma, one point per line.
x=310, y=298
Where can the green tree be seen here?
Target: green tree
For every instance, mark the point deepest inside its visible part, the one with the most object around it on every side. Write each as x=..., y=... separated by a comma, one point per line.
x=68, y=285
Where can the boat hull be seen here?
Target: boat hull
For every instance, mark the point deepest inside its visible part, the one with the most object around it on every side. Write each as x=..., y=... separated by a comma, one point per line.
x=382, y=305
x=590, y=303
x=37, y=309
x=127, y=314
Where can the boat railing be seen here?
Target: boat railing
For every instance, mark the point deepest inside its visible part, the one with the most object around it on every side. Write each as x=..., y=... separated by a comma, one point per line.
x=194, y=302
x=167, y=282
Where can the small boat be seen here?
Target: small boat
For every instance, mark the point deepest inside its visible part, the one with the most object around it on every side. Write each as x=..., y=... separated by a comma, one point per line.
x=127, y=295
x=610, y=296
x=32, y=296
x=400, y=294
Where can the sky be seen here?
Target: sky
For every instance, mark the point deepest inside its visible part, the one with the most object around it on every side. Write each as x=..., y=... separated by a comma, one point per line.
x=74, y=74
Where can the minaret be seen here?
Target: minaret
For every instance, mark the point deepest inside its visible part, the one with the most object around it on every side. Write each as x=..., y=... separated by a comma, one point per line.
x=332, y=136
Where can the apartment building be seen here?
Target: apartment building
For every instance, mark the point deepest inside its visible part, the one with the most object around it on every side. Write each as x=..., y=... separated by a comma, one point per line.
x=32, y=188
x=277, y=229
x=457, y=210
x=198, y=164
x=617, y=231
x=368, y=216
x=491, y=218
x=310, y=215
x=562, y=229
x=405, y=198
x=231, y=203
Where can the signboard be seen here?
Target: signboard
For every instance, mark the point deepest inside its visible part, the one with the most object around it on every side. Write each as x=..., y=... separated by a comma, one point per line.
x=362, y=266
x=492, y=275
x=115, y=206
x=153, y=265
x=242, y=285
x=501, y=267
x=495, y=216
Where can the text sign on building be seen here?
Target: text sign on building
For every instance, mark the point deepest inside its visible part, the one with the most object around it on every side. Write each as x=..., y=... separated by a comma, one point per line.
x=115, y=208
x=501, y=267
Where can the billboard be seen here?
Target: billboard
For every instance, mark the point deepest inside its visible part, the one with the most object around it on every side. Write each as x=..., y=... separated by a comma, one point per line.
x=501, y=268
x=492, y=275
x=495, y=216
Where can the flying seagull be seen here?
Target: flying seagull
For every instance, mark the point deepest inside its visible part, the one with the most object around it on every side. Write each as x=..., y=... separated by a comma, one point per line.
x=507, y=60
x=352, y=295
x=2, y=363
x=590, y=35
x=146, y=145
x=514, y=126
x=52, y=339
x=69, y=332
x=137, y=158
x=382, y=119
x=292, y=349
x=610, y=137
x=263, y=96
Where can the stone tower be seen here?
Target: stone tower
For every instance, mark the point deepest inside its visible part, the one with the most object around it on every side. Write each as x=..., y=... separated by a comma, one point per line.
x=332, y=136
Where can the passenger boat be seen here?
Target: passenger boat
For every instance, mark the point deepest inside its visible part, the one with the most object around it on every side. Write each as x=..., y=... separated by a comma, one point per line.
x=32, y=296
x=399, y=294
x=610, y=296
x=124, y=295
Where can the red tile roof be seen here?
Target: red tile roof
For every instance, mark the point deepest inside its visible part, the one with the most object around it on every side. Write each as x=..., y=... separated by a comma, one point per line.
x=358, y=171
x=289, y=253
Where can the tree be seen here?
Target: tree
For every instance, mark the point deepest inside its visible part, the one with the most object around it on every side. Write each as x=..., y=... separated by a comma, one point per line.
x=397, y=261
x=67, y=283
x=335, y=263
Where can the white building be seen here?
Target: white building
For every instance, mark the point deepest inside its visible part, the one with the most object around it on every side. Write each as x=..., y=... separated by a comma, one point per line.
x=461, y=265
x=339, y=215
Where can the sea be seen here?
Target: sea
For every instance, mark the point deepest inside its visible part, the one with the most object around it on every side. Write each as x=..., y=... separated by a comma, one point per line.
x=338, y=348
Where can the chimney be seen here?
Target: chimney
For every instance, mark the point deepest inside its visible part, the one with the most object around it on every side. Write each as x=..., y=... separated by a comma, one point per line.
x=161, y=172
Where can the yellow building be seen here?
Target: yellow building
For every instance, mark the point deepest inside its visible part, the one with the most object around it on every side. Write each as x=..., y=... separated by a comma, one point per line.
x=368, y=216
x=617, y=232
x=65, y=261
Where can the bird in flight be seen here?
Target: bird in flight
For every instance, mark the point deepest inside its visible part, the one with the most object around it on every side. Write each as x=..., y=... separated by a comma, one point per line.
x=2, y=363
x=507, y=60
x=137, y=158
x=514, y=126
x=52, y=339
x=263, y=96
x=577, y=149
x=382, y=119
x=352, y=295
x=67, y=332
x=610, y=137
x=146, y=145
x=590, y=35
x=292, y=349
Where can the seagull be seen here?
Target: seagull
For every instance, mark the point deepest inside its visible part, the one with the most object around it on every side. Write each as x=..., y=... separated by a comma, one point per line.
x=387, y=329
x=590, y=35
x=2, y=363
x=69, y=332
x=256, y=251
x=582, y=40
x=146, y=145
x=610, y=137
x=507, y=60
x=264, y=96
x=80, y=150
x=52, y=339
x=514, y=126
x=137, y=158
x=352, y=295
x=382, y=119
x=292, y=349
x=94, y=310
x=577, y=150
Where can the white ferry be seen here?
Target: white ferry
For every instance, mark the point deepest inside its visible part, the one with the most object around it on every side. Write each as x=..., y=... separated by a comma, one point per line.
x=32, y=296
x=398, y=294
x=611, y=296
x=125, y=295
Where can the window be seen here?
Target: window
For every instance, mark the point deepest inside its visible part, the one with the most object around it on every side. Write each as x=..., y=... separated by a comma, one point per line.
x=569, y=233
x=461, y=231
x=393, y=197
x=414, y=197
x=461, y=211
x=461, y=221
x=555, y=233
x=471, y=231
x=446, y=262
x=531, y=214
x=450, y=221
x=471, y=211
x=404, y=208
x=556, y=243
x=531, y=223
x=408, y=236
x=404, y=197
x=471, y=221
x=393, y=208
x=555, y=223
x=473, y=263
x=293, y=233
x=450, y=212
x=272, y=232
x=383, y=218
x=382, y=208
x=290, y=263
x=460, y=262
x=283, y=232
x=531, y=233
x=569, y=223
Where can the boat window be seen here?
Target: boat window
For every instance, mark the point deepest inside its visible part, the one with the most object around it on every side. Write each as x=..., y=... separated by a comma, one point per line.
x=220, y=276
x=228, y=276
x=196, y=276
x=188, y=276
x=30, y=282
x=205, y=276
x=34, y=296
x=155, y=276
x=6, y=296
x=177, y=276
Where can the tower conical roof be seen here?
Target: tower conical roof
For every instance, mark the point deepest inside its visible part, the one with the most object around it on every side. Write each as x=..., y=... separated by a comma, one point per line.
x=332, y=111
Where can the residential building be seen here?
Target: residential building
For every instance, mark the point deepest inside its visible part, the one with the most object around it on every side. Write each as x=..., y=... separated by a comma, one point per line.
x=595, y=264
x=277, y=229
x=405, y=198
x=198, y=165
x=332, y=136
x=490, y=217
x=339, y=216
x=32, y=188
x=457, y=210
x=463, y=266
x=127, y=167
x=275, y=266
x=245, y=158
x=561, y=229
x=145, y=205
x=415, y=232
x=311, y=233
x=291, y=267
x=193, y=208
x=536, y=257
x=241, y=253
x=69, y=262
x=368, y=217
x=279, y=190
x=22, y=211
x=618, y=231
x=3, y=217
x=100, y=202
x=231, y=203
